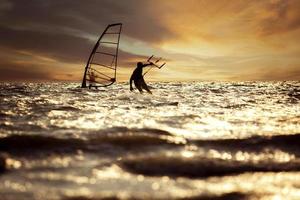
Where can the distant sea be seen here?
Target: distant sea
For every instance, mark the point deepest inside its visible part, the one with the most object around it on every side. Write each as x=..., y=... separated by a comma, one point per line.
x=199, y=140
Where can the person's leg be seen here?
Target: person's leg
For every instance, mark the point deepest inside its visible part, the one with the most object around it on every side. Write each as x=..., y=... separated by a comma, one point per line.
x=137, y=84
x=145, y=86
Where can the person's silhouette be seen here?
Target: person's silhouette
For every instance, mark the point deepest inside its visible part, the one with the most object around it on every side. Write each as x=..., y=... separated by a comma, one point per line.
x=138, y=78
x=92, y=77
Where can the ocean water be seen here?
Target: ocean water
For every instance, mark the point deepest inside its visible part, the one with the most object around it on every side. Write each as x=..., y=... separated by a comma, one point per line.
x=199, y=140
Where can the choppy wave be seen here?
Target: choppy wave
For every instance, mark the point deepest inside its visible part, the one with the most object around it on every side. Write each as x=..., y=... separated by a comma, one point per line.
x=228, y=196
x=123, y=136
x=120, y=136
x=200, y=167
x=256, y=143
x=2, y=163
x=163, y=164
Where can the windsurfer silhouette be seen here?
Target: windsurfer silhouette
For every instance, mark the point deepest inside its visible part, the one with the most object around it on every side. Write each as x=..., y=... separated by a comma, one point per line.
x=92, y=79
x=138, y=78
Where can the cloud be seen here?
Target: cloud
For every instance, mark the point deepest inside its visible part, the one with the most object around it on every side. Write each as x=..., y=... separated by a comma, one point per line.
x=269, y=74
x=90, y=16
x=58, y=46
x=5, y=5
x=283, y=73
x=222, y=38
x=19, y=72
x=61, y=47
x=66, y=31
x=227, y=22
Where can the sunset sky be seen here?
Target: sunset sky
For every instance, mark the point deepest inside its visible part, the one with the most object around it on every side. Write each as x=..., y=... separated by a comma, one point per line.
x=200, y=39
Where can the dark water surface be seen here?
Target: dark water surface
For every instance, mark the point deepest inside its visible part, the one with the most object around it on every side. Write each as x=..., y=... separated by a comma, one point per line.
x=201, y=140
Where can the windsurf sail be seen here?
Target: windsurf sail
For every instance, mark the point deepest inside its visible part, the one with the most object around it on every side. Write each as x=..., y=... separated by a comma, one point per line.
x=101, y=67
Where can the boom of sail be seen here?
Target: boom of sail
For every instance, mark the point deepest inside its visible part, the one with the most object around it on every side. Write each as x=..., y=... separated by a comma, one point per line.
x=101, y=67
x=154, y=64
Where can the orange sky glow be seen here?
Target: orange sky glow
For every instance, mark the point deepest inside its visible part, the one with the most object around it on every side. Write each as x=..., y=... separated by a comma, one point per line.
x=236, y=40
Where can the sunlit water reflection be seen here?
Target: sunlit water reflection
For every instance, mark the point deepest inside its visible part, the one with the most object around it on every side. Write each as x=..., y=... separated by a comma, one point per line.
x=202, y=140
